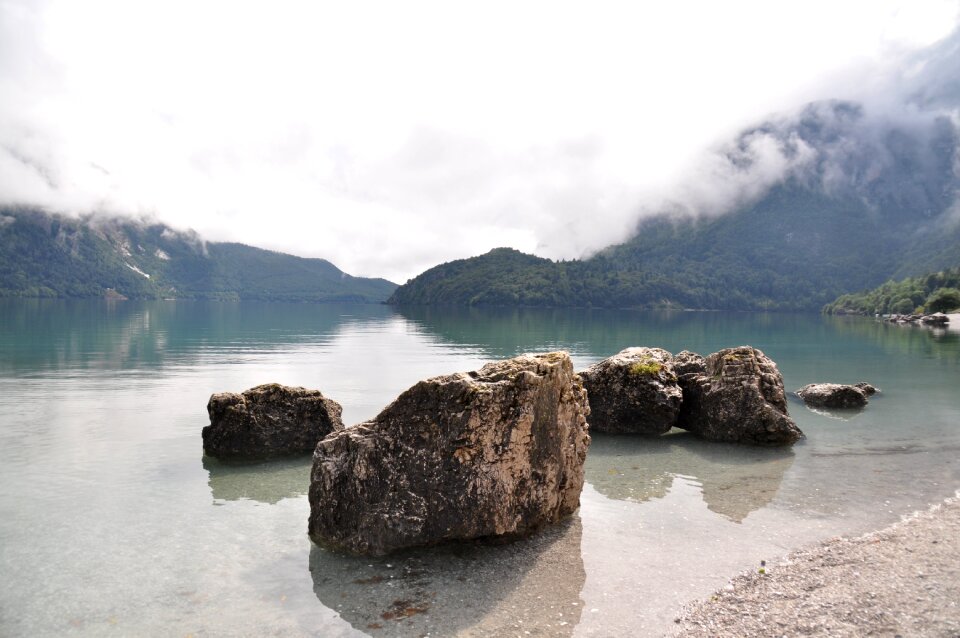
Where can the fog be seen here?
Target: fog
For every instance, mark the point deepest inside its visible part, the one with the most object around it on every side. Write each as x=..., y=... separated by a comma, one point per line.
x=388, y=138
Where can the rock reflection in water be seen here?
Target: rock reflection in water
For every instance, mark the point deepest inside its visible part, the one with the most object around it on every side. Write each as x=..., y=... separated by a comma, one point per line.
x=837, y=414
x=266, y=481
x=466, y=588
x=735, y=480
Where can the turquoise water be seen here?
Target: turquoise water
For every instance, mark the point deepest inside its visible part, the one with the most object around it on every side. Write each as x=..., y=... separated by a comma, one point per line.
x=113, y=523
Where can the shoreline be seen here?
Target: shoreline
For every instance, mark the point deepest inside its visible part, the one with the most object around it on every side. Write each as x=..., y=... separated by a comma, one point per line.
x=902, y=580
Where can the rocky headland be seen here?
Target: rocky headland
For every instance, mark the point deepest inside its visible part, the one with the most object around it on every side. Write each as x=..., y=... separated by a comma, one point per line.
x=935, y=319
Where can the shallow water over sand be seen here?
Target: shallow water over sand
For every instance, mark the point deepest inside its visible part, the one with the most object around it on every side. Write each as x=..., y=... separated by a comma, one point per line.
x=113, y=522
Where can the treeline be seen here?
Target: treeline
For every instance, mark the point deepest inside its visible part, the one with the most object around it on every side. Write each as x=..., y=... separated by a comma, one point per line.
x=935, y=292
x=507, y=277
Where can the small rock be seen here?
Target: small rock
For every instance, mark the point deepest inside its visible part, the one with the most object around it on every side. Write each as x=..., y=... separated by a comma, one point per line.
x=868, y=389
x=834, y=395
x=268, y=421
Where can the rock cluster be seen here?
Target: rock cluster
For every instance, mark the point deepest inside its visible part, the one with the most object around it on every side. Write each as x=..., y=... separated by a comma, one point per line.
x=634, y=391
x=496, y=452
x=836, y=395
x=733, y=395
x=935, y=319
x=268, y=421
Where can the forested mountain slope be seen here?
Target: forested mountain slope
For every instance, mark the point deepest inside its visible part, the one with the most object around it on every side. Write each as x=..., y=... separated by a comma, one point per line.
x=51, y=255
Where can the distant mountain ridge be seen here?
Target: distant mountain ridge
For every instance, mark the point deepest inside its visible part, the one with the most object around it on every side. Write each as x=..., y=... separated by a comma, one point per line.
x=862, y=199
x=46, y=254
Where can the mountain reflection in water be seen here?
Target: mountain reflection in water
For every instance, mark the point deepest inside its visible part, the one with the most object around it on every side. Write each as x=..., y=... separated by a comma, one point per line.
x=734, y=479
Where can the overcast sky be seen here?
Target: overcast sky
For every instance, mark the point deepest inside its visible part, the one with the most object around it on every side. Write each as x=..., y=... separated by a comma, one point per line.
x=388, y=137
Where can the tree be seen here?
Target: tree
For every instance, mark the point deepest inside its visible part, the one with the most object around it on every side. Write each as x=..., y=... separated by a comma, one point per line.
x=943, y=300
x=901, y=306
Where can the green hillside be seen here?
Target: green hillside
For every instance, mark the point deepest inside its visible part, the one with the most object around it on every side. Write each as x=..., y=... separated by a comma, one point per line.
x=51, y=255
x=934, y=292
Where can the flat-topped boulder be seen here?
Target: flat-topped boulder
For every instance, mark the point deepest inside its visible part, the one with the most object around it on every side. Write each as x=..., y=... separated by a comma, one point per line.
x=735, y=395
x=635, y=391
x=835, y=395
x=268, y=421
x=497, y=452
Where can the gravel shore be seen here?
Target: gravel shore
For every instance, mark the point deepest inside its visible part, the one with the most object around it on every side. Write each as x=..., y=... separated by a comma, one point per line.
x=901, y=581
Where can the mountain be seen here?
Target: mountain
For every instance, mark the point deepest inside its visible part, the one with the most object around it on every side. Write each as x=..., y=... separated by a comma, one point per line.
x=859, y=198
x=51, y=255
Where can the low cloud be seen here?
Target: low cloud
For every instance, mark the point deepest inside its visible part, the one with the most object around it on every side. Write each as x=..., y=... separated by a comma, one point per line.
x=908, y=121
x=368, y=139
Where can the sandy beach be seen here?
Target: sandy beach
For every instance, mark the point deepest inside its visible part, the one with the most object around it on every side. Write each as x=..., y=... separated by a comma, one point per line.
x=903, y=580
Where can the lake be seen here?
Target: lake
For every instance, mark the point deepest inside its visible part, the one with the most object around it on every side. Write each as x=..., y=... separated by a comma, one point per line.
x=112, y=522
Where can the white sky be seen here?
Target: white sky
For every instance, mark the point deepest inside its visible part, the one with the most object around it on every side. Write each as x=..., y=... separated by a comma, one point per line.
x=388, y=137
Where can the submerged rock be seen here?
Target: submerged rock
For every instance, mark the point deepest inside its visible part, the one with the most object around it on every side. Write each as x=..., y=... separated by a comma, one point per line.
x=737, y=396
x=634, y=391
x=835, y=395
x=496, y=452
x=268, y=421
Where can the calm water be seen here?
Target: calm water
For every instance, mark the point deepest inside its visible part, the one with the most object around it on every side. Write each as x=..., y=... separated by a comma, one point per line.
x=113, y=523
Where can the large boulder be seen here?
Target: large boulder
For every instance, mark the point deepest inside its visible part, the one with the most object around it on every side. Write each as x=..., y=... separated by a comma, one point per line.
x=268, y=421
x=835, y=395
x=736, y=396
x=494, y=453
x=635, y=391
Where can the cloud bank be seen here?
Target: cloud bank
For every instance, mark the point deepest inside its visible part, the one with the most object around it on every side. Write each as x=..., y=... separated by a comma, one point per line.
x=389, y=138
